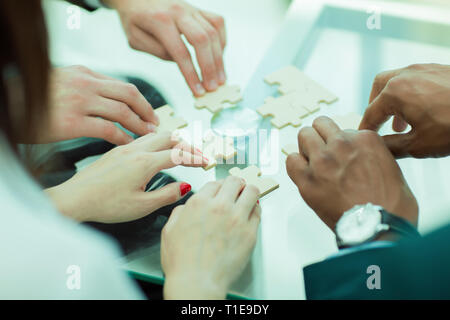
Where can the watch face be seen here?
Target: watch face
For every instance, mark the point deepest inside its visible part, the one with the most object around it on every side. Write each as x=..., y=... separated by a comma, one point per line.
x=359, y=224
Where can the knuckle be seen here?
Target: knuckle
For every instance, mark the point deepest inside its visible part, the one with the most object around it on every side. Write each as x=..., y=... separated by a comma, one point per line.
x=200, y=38
x=368, y=136
x=219, y=21
x=162, y=16
x=132, y=90
x=80, y=68
x=123, y=111
x=181, y=53
x=177, y=8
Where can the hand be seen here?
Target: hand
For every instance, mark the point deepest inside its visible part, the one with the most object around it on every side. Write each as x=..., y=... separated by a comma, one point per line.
x=156, y=26
x=336, y=170
x=112, y=189
x=86, y=104
x=206, y=243
x=418, y=95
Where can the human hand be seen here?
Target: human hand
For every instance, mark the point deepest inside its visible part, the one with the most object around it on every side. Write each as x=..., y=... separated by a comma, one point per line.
x=156, y=26
x=336, y=170
x=418, y=95
x=207, y=242
x=112, y=189
x=84, y=103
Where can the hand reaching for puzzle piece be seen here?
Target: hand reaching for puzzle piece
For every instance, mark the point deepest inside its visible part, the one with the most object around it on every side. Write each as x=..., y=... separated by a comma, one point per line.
x=252, y=175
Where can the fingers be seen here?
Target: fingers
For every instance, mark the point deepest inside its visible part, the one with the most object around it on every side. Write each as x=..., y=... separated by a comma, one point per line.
x=219, y=24
x=144, y=41
x=398, y=144
x=381, y=81
x=103, y=129
x=167, y=195
x=248, y=200
x=130, y=95
x=216, y=46
x=116, y=111
x=164, y=141
x=309, y=141
x=378, y=112
x=211, y=189
x=326, y=128
x=170, y=38
x=200, y=39
x=231, y=189
x=171, y=158
x=297, y=168
x=399, y=125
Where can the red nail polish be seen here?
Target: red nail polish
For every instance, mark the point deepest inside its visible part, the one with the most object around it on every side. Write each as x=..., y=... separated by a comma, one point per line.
x=185, y=188
x=257, y=202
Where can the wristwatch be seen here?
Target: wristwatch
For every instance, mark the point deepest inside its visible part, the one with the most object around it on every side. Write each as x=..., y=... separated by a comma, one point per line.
x=364, y=223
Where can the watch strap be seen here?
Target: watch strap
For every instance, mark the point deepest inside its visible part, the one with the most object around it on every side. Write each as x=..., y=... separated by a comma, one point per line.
x=399, y=225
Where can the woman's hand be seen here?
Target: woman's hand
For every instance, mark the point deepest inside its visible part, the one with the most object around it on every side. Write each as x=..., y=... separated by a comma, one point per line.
x=156, y=26
x=112, y=189
x=84, y=103
x=207, y=242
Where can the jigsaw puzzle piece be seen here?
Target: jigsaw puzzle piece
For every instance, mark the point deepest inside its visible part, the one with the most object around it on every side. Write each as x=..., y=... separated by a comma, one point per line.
x=214, y=101
x=290, y=148
x=348, y=121
x=167, y=120
x=215, y=148
x=291, y=79
x=285, y=111
x=252, y=175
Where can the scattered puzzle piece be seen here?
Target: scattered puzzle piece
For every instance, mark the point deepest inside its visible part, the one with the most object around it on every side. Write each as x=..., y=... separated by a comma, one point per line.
x=167, y=121
x=349, y=121
x=285, y=110
x=252, y=175
x=290, y=148
x=215, y=147
x=214, y=101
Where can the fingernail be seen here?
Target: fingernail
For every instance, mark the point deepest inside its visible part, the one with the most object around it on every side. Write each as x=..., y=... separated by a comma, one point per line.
x=222, y=77
x=151, y=127
x=213, y=85
x=185, y=188
x=157, y=120
x=257, y=202
x=206, y=159
x=199, y=89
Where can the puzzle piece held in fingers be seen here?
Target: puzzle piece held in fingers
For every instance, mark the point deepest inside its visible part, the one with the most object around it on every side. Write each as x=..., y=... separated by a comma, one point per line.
x=215, y=101
x=167, y=120
x=252, y=175
x=217, y=148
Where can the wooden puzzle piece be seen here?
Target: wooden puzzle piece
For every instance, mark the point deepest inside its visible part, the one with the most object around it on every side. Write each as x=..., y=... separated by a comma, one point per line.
x=348, y=121
x=167, y=120
x=215, y=148
x=290, y=148
x=252, y=175
x=285, y=110
x=214, y=101
x=292, y=79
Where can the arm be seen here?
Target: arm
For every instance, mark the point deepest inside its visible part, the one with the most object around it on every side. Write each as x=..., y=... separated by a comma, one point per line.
x=90, y=5
x=415, y=269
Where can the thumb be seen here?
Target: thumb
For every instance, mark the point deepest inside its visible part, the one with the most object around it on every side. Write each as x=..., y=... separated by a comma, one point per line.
x=167, y=195
x=398, y=144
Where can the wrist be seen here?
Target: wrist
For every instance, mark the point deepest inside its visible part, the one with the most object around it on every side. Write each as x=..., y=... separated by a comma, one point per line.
x=64, y=201
x=187, y=287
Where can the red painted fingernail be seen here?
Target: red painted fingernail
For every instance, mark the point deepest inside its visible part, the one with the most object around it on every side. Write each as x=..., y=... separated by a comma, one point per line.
x=206, y=159
x=185, y=188
x=257, y=202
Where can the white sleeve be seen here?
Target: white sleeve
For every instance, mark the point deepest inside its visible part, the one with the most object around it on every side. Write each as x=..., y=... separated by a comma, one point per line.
x=57, y=259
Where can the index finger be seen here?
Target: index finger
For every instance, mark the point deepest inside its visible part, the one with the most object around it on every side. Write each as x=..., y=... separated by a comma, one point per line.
x=326, y=127
x=170, y=37
x=378, y=112
x=381, y=81
x=131, y=96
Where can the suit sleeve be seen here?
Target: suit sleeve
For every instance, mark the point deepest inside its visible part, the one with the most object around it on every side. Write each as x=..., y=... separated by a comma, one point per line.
x=416, y=269
x=88, y=5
